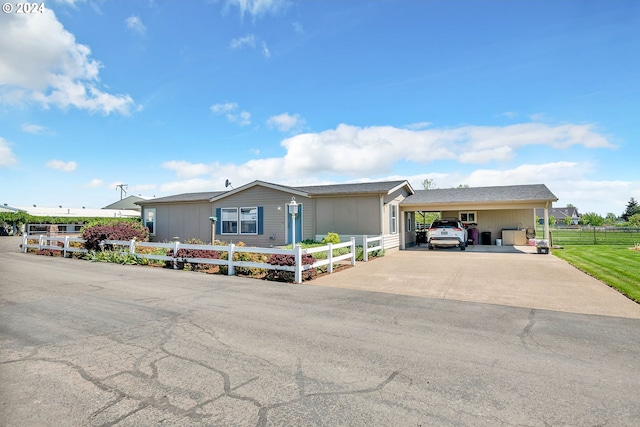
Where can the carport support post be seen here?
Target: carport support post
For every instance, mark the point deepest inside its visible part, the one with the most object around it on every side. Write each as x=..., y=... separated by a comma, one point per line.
x=546, y=223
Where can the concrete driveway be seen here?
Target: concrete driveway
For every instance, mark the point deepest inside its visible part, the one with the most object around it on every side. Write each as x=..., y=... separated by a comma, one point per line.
x=513, y=276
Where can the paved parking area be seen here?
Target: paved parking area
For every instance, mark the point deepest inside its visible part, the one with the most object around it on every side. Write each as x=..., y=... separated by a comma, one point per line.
x=513, y=276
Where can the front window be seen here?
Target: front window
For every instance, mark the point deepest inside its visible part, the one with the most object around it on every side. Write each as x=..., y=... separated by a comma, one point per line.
x=229, y=220
x=468, y=217
x=249, y=220
x=150, y=220
x=393, y=216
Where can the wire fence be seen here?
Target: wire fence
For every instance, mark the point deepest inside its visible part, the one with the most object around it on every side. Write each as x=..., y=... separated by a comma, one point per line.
x=587, y=235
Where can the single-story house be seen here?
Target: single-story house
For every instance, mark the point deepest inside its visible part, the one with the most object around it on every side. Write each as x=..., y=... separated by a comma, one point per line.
x=257, y=213
x=127, y=203
x=560, y=215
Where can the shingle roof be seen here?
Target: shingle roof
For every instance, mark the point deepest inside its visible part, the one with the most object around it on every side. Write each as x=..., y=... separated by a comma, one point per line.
x=510, y=193
x=363, y=187
x=185, y=197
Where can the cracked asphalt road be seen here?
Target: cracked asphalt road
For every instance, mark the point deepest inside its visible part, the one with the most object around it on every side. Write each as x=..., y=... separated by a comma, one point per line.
x=90, y=344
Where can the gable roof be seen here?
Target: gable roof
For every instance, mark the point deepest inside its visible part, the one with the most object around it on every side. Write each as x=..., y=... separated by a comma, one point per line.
x=361, y=187
x=385, y=187
x=561, y=212
x=509, y=193
x=184, y=197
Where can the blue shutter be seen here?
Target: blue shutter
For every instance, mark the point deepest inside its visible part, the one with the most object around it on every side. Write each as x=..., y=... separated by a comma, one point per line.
x=260, y=218
x=219, y=221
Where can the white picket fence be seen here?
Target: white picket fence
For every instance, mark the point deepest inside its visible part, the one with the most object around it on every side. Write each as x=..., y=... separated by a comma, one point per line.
x=51, y=242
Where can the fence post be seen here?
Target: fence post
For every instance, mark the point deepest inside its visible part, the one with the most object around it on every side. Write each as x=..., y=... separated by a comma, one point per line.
x=330, y=258
x=298, y=256
x=176, y=246
x=230, y=269
x=66, y=245
x=24, y=243
x=40, y=239
x=353, y=251
x=595, y=242
x=132, y=246
x=365, y=246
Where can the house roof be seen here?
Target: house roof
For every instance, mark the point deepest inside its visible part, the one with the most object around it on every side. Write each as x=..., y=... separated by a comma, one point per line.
x=362, y=187
x=323, y=190
x=184, y=197
x=561, y=212
x=510, y=193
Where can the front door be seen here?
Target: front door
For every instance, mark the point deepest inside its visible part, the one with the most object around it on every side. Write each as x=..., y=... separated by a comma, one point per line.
x=298, y=226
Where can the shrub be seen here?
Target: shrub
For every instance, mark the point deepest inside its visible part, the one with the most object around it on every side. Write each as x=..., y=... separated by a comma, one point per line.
x=116, y=257
x=183, y=254
x=290, y=260
x=114, y=230
x=244, y=256
x=49, y=252
x=331, y=238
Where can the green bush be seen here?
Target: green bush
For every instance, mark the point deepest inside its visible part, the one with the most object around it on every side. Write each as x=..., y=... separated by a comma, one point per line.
x=331, y=238
x=245, y=256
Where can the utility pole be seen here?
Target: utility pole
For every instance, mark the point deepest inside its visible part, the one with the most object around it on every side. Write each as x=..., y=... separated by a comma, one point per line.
x=123, y=189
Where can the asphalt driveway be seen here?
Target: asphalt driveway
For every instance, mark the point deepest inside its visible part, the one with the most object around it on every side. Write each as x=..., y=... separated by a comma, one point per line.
x=495, y=275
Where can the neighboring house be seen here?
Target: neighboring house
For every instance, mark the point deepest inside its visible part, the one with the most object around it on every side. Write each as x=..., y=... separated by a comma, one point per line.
x=128, y=203
x=61, y=213
x=257, y=213
x=560, y=214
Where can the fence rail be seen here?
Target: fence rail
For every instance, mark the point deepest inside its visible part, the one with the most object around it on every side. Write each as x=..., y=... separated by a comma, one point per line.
x=130, y=246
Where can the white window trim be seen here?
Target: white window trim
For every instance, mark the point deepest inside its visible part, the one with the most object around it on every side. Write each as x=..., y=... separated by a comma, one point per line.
x=393, y=217
x=240, y=220
x=222, y=221
x=153, y=221
x=475, y=217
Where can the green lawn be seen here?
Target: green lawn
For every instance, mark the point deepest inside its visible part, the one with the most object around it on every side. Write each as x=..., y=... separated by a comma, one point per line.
x=617, y=266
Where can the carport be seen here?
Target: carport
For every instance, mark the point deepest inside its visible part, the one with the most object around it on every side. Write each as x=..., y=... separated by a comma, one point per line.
x=501, y=212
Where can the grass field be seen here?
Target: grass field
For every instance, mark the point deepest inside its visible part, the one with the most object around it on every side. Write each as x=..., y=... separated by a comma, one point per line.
x=617, y=266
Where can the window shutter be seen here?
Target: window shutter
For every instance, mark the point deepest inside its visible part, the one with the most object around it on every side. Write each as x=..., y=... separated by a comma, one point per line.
x=219, y=221
x=260, y=220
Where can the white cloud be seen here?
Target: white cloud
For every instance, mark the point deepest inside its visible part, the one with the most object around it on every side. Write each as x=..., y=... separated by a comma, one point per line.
x=42, y=62
x=257, y=8
x=34, y=129
x=350, y=153
x=6, y=155
x=286, y=122
x=230, y=110
x=265, y=50
x=62, y=166
x=135, y=24
x=247, y=41
x=94, y=183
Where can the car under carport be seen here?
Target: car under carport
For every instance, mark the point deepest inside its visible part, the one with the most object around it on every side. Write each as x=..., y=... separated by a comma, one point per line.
x=500, y=214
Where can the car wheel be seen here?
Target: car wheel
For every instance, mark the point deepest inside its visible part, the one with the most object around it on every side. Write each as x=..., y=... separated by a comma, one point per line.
x=430, y=247
x=463, y=247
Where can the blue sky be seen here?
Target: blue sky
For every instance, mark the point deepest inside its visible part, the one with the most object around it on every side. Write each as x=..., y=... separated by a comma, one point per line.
x=178, y=96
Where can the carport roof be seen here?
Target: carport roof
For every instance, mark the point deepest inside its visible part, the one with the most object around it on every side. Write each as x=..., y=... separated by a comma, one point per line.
x=510, y=193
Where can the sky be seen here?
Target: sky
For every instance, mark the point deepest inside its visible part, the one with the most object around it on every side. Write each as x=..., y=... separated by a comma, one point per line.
x=173, y=97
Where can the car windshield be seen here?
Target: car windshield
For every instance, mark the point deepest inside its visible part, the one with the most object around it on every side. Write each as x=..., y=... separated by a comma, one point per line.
x=444, y=224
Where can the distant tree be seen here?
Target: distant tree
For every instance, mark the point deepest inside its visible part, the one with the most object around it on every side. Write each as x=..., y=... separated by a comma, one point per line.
x=428, y=184
x=592, y=218
x=463, y=186
x=570, y=205
x=568, y=220
x=611, y=218
x=426, y=217
x=632, y=209
x=552, y=221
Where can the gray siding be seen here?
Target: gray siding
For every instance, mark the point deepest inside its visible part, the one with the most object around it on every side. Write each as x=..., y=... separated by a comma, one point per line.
x=185, y=221
x=356, y=215
x=274, y=219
